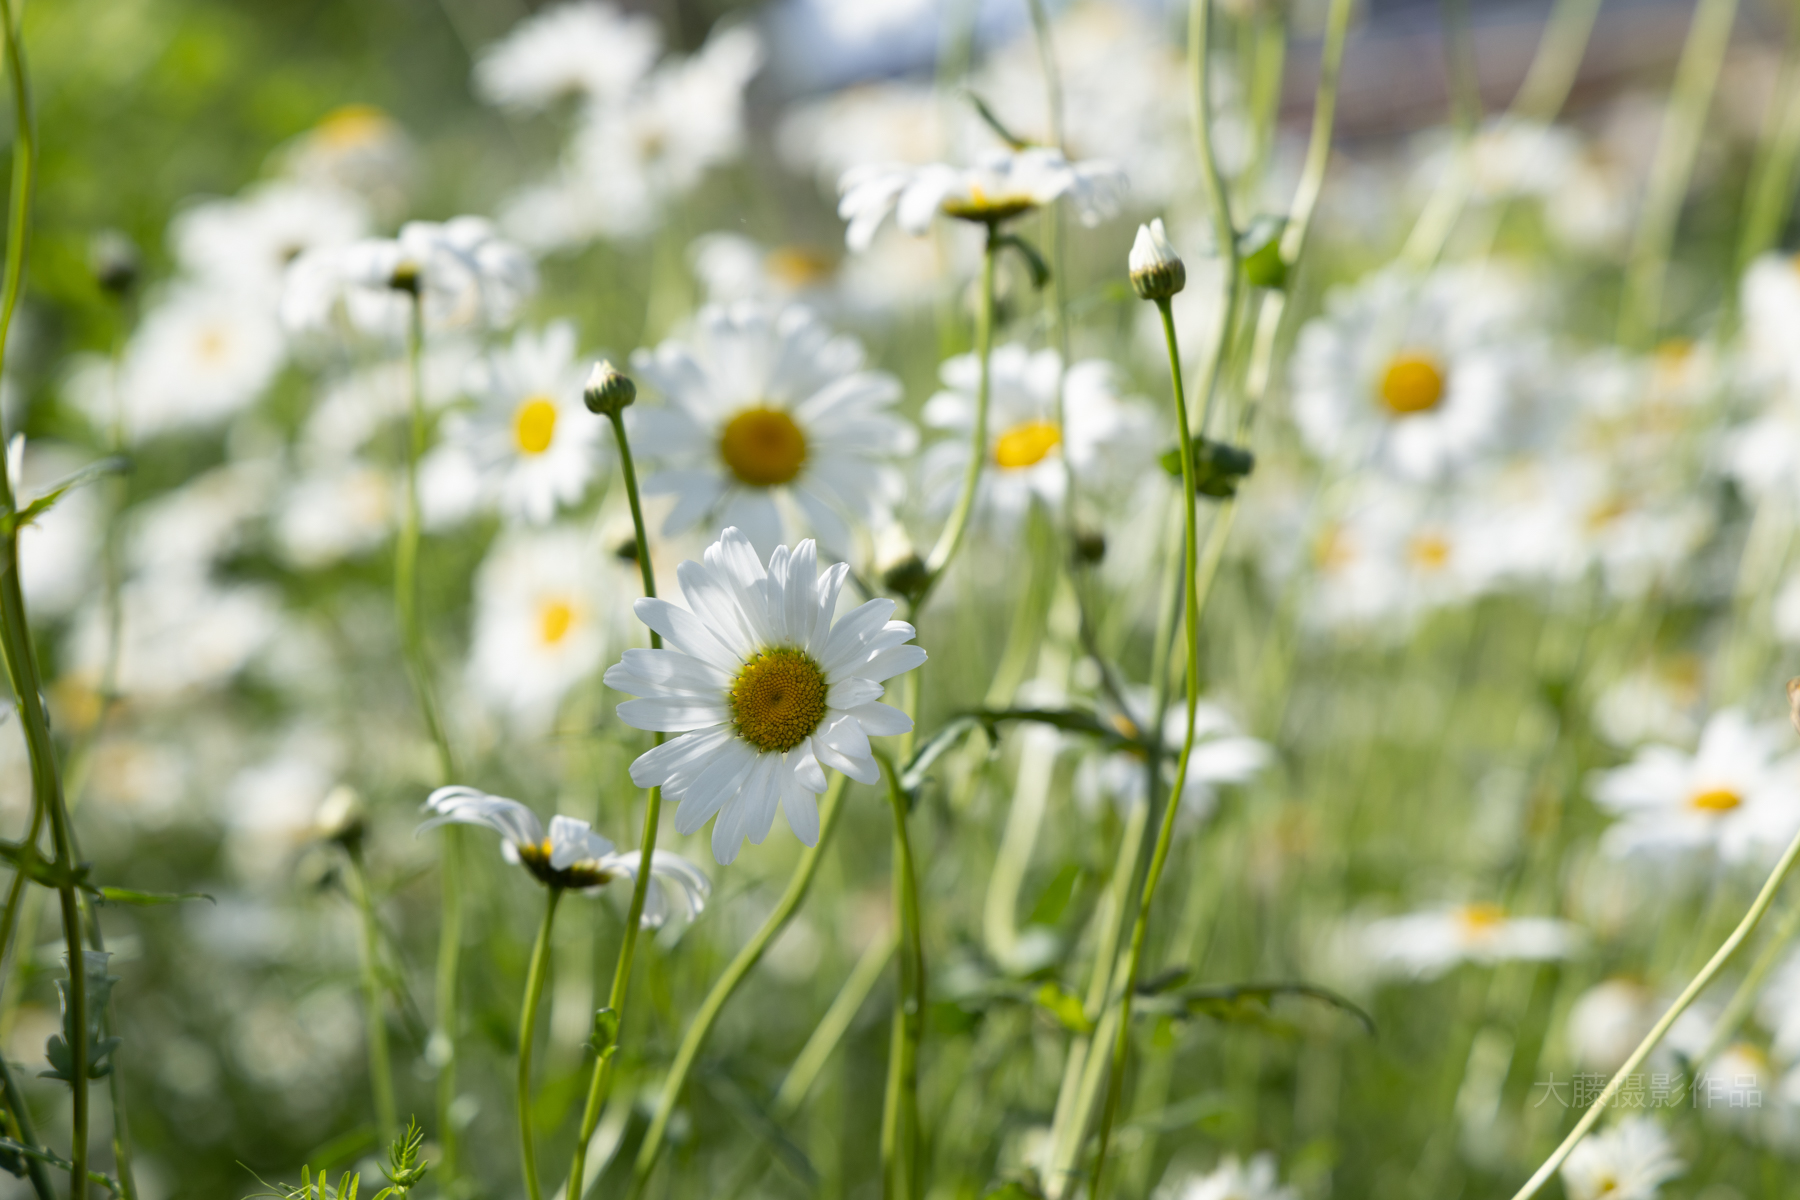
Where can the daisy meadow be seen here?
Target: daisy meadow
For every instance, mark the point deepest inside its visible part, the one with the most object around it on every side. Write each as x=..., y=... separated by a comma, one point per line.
x=764, y=689
x=1735, y=795
x=770, y=424
x=1631, y=1160
x=1426, y=944
x=570, y=854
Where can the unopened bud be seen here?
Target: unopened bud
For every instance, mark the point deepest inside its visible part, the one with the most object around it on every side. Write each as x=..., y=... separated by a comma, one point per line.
x=1157, y=272
x=609, y=390
x=902, y=570
x=1090, y=546
x=341, y=817
x=115, y=262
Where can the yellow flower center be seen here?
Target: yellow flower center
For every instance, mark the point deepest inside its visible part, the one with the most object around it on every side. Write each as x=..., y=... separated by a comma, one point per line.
x=1429, y=551
x=1026, y=445
x=1413, y=383
x=778, y=699
x=211, y=346
x=352, y=125
x=988, y=209
x=534, y=424
x=536, y=859
x=797, y=266
x=763, y=447
x=555, y=619
x=1716, y=800
x=1482, y=918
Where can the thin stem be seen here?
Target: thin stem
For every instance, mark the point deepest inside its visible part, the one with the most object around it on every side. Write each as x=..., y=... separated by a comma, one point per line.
x=900, y=1118
x=1699, y=983
x=24, y=1132
x=601, y=1078
x=1769, y=196
x=833, y=1025
x=1696, y=77
x=381, y=1073
x=740, y=967
x=1744, y=998
x=534, y=993
x=1460, y=65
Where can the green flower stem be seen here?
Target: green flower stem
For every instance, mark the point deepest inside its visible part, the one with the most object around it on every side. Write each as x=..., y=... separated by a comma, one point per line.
x=381, y=1072
x=21, y=1129
x=601, y=1078
x=833, y=1025
x=1698, y=984
x=901, y=1177
x=1770, y=194
x=951, y=539
x=1696, y=77
x=1744, y=998
x=830, y=809
x=534, y=994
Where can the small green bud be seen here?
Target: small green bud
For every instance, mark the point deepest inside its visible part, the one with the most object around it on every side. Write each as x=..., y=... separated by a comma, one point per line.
x=609, y=390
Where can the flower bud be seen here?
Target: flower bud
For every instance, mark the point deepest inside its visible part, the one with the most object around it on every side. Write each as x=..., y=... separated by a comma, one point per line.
x=609, y=390
x=1157, y=272
x=115, y=262
x=341, y=817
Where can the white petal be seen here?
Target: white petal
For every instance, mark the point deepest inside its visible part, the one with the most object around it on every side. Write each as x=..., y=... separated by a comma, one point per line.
x=846, y=645
x=655, y=767
x=881, y=720
x=849, y=691
x=841, y=743
x=798, y=806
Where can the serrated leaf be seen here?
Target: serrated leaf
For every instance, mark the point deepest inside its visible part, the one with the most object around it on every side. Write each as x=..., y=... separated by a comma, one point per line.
x=1065, y=1007
x=1218, y=467
x=12, y=522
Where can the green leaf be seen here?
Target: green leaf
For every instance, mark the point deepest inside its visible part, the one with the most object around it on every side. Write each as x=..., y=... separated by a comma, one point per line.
x=605, y=1037
x=1248, y=1003
x=114, y=895
x=1065, y=1007
x=1012, y=140
x=913, y=777
x=1218, y=467
x=1034, y=262
x=1259, y=249
x=13, y=522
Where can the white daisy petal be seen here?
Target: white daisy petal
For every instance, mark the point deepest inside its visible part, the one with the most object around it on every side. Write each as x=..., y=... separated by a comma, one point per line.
x=882, y=720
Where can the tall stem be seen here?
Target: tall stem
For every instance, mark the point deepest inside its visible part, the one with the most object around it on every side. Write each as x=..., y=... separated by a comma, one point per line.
x=601, y=1078
x=900, y=1173
x=830, y=808
x=1699, y=983
x=23, y=1131
x=381, y=1074
x=951, y=539
x=534, y=993
x=1696, y=77
x=1770, y=194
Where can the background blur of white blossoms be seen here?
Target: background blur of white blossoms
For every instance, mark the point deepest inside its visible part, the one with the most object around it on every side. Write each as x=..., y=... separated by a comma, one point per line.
x=1491, y=741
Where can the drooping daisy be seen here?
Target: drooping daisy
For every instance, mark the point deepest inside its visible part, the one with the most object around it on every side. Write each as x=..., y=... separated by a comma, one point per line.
x=1002, y=186
x=531, y=440
x=585, y=50
x=1234, y=1180
x=244, y=244
x=199, y=356
x=1631, y=1160
x=571, y=855
x=1733, y=794
x=1426, y=944
x=763, y=688
x=1413, y=375
x=542, y=621
x=771, y=423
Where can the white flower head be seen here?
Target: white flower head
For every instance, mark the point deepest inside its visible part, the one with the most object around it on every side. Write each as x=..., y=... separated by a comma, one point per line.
x=1233, y=1179
x=1426, y=944
x=244, y=244
x=1732, y=794
x=1003, y=185
x=770, y=423
x=357, y=148
x=763, y=689
x=200, y=355
x=587, y=50
x=1629, y=1161
x=570, y=854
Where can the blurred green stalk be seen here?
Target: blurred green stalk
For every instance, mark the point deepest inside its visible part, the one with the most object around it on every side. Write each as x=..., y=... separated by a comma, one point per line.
x=900, y=1174
x=381, y=1072
x=534, y=994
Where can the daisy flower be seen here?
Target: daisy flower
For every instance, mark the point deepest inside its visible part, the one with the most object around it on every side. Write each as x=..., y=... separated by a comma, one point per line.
x=1234, y=1180
x=532, y=442
x=1732, y=794
x=335, y=512
x=1607, y=1022
x=1410, y=374
x=357, y=148
x=771, y=422
x=200, y=356
x=763, y=689
x=541, y=621
x=1771, y=307
x=244, y=244
x=1629, y=1161
x=1424, y=945
x=587, y=50
x=1003, y=185
x=570, y=854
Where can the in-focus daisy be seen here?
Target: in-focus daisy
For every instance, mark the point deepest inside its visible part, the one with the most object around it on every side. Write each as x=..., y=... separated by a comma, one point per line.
x=1733, y=794
x=585, y=50
x=1426, y=944
x=1414, y=375
x=570, y=854
x=542, y=621
x=770, y=423
x=531, y=440
x=764, y=689
x=1233, y=1180
x=1630, y=1160
x=1002, y=186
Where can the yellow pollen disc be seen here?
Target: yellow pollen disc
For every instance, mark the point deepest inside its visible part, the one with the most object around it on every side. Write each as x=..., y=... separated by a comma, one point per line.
x=763, y=447
x=1026, y=445
x=798, y=266
x=534, y=424
x=353, y=125
x=1429, y=552
x=536, y=859
x=1412, y=383
x=778, y=699
x=1480, y=918
x=982, y=207
x=211, y=345
x=1716, y=800
x=554, y=621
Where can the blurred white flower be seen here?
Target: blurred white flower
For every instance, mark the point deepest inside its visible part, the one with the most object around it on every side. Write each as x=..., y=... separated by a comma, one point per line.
x=764, y=689
x=1779, y=1008
x=546, y=604
x=244, y=245
x=1631, y=1160
x=1000, y=186
x=1732, y=795
x=178, y=632
x=532, y=442
x=357, y=148
x=733, y=268
x=587, y=50
x=1426, y=944
x=1232, y=1180
x=1508, y=156
x=770, y=424
x=335, y=512
x=1222, y=756
x=570, y=854
x=1607, y=1022
x=1770, y=300
x=1414, y=375
x=1659, y=702
x=59, y=548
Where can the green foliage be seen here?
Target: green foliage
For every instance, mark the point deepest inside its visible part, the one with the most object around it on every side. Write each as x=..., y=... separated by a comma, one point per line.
x=59, y=1049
